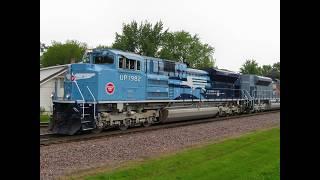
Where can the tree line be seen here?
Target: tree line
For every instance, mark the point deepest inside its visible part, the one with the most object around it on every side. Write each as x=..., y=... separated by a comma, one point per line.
x=252, y=67
x=153, y=40
x=144, y=39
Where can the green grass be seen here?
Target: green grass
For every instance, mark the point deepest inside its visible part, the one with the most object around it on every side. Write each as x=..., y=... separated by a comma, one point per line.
x=252, y=156
x=44, y=118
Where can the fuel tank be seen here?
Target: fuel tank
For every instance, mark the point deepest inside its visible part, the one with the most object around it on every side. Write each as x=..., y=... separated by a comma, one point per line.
x=275, y=106
x=173, y=115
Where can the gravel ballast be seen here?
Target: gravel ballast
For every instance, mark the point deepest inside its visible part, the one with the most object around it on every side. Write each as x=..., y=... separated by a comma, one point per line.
x=61, y=159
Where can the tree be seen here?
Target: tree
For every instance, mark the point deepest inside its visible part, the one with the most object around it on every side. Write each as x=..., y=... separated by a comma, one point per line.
x=41, y=57
x=128, y=40
x=266, y=70
x=42, y=47
x=62, y=53
x=102, y=47
x=152, y=40
x=144, y=39
x=276, y=70
x=250, y=67
x=276, y=66
x=182, y=46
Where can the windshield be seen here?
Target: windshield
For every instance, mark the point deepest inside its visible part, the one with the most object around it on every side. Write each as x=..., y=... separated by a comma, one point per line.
x=104, y=59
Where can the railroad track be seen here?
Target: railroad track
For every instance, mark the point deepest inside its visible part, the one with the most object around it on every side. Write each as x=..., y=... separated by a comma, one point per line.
x=50, y=138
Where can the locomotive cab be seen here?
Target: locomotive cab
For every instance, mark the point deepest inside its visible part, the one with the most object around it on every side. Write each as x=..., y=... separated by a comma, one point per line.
x=81, y=92
x=103, y=76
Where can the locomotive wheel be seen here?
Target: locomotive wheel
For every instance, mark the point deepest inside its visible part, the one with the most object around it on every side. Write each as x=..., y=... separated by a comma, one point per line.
x=99, y=127
x=124, y=126
x=146, y=124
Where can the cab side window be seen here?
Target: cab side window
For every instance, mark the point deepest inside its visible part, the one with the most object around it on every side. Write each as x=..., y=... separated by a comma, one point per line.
x=131, y=64
x=121, y=60
x=127, y=64
x=138, y=65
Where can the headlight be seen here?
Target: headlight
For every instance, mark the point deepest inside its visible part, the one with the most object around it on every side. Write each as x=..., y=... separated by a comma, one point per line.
x=68, y=96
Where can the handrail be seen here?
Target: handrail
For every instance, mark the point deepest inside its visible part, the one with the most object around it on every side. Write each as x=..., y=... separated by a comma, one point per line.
x=94, y=105
x=82, y=98
x=247, y=94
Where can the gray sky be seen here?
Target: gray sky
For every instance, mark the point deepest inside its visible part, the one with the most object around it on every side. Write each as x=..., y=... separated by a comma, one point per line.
x=238, y=29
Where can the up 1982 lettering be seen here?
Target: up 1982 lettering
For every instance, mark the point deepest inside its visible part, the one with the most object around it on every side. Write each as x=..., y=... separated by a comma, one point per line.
x=124, y=77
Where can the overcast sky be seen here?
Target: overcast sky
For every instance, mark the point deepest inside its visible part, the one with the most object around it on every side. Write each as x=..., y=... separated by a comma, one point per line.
x=237, y=29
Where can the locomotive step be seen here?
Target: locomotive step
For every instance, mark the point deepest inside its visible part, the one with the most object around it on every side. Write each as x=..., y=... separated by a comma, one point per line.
x=85, y=122
x=85, y=129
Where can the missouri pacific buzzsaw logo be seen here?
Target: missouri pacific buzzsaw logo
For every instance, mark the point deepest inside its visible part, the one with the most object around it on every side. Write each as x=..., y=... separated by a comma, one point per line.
x=78, y=76
x=110, y=88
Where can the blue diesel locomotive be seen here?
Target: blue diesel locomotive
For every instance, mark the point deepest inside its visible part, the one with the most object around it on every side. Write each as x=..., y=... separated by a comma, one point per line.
x=111, y=88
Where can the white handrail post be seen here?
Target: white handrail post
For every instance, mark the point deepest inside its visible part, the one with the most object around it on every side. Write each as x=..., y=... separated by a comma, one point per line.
x=82, y=98
x=94, y=105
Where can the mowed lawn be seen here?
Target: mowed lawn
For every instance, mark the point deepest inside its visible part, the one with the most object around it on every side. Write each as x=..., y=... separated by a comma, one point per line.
x=44, y=118
x=251, y=156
